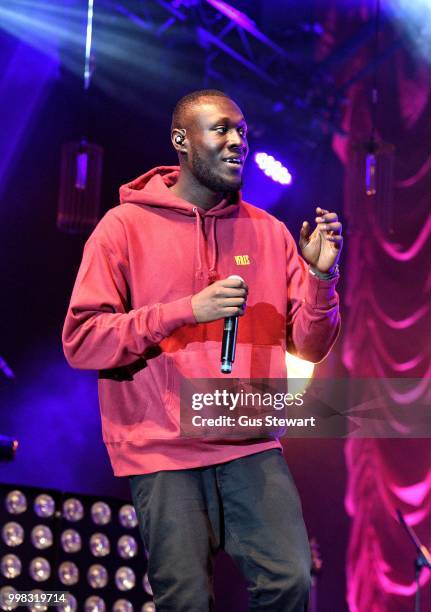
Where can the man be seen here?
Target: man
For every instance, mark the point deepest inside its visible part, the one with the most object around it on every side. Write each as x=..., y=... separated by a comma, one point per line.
x=146, y=311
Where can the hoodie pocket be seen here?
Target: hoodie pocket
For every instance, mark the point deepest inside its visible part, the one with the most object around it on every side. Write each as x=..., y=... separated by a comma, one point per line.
x=251, y=362
x=137, y=409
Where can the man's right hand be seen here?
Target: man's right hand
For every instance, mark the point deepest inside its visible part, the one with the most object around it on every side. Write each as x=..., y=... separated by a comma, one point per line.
x=224, y=298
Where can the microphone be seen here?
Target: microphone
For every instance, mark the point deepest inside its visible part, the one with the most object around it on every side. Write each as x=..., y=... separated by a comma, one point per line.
x=228, y=346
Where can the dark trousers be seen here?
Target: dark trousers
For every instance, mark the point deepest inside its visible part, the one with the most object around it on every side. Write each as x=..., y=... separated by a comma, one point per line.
x=250, y=508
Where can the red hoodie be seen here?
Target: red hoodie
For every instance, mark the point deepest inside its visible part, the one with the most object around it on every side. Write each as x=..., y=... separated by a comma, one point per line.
x=130, y=316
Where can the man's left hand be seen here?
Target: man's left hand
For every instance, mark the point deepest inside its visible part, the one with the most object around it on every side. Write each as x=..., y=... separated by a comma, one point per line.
x=322, y=248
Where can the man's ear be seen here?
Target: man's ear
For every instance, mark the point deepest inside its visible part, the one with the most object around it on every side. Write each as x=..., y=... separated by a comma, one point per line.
x=178, y=139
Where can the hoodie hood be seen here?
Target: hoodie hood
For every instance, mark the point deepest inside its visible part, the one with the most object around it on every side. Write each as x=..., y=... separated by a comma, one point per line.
x=152, y=189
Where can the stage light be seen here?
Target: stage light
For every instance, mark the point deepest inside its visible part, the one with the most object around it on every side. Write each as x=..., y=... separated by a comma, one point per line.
x=97, y=576
x=73, y=510
x=44, y=506
x=101, y=513
x=40, y=569
x=5, y=594
x=127, y=547
x=298, y=368
x=37, y=607
x=146, y=584
x=127, y=516
x=69, y=549
x=125, y=578
x=273, y=168
x=16, y=502
x=69, y=605
x=299, y=373
x=10, y=566
x=41, y=537
x=413, y=17
x=13, y=534
x=94, y=604
x=71, y=541
x=68, y=573
x=99, y=545
x=122, y=605
x=149, y=607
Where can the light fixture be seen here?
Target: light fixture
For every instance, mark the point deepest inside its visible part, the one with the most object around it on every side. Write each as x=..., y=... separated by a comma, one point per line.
x=12, y=534
x=73, y=510
x=44, y=506
x=10, y=566
x=122, y=605
x=68, y=573
x=5, y=598
x=71, y=541
x=273, y=168
x=127, y=516
x=101, y=513
x=99, y=545
x=41, y=537
x=40, y=569
x=69, y=605
x=127, y=547
x=125, y=578
x=16, y=502
x=56, y=543
x=97, y=576
x=37, y=607
x=94, y=604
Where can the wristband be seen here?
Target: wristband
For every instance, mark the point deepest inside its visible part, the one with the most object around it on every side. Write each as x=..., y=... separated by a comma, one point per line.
x=324, y=275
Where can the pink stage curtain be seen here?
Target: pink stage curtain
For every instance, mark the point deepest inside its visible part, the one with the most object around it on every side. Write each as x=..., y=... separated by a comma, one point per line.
x=387, y=322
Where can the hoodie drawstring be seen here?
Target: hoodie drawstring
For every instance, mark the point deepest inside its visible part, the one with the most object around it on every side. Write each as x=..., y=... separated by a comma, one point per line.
x=198, y=243
x=212, y=274
x=213, y=243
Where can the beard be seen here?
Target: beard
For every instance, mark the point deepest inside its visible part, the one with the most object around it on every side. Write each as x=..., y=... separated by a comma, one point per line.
x=209, y=178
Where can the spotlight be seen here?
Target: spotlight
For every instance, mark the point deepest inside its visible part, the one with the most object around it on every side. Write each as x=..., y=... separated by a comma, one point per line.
x=149, y=607
x=298, y=368
x=94, y=604
x=127, y=547
x=69, y=605
x=273, y=168
x=41, y=537
x=37, y=607
x=127, y=516
x=44, y=506
x=99, y=545
x=125, y=578
x=16, y=502
x=40, y=569
x=122, y=605
x=97, y=576
x=73, y=510
x=5, y=603
x=100, y=513
x=95, y=569
x=71, y=541
x=13, y=534
x=10, y=566
x=68, y=573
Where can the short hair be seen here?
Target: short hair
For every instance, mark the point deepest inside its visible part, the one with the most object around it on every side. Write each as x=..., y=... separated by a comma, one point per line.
x=189, y=100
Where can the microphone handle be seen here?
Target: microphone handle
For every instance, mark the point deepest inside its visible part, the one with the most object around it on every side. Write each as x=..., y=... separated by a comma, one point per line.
x=230, y=330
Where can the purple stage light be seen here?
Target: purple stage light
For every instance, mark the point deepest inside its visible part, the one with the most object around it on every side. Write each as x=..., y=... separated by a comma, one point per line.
x=273, y=168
